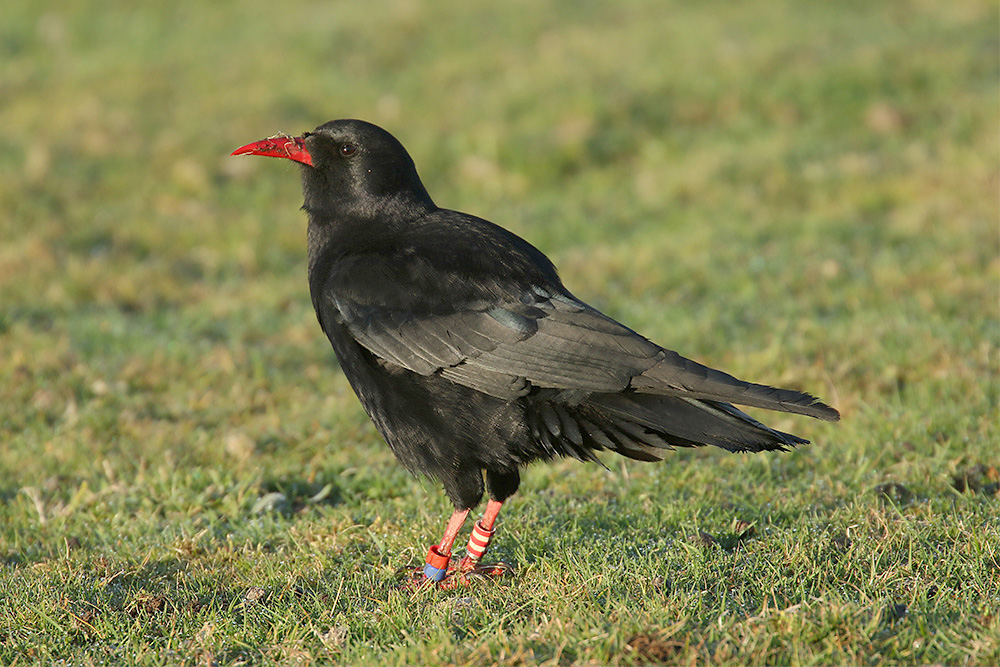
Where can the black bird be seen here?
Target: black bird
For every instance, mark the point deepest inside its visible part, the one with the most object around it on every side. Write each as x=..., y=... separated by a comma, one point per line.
x=469, y=354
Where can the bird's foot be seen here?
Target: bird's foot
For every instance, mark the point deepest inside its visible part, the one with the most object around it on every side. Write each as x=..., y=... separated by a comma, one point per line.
x=435, y=569
x=461, y=573
x=469, y=571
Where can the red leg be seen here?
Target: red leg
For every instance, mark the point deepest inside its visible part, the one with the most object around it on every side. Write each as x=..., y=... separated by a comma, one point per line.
x=455, y=524
x=479, y=542
x=438, y=569
x=439, y=555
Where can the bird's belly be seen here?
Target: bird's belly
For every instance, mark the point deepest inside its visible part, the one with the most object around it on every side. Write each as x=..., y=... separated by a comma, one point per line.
x=431, y=424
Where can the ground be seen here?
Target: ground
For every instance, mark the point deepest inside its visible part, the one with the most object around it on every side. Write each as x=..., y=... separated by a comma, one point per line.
x=801, y=194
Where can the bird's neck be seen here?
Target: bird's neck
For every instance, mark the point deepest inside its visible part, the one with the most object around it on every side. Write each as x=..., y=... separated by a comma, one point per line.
x=363, y=225
x=334, y=235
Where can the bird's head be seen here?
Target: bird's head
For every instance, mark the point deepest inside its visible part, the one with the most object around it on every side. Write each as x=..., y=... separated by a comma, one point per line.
x=350, y=167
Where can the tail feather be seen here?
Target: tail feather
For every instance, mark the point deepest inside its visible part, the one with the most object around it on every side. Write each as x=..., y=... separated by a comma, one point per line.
x=643, y=426
x=677, y=376
x=687, y=421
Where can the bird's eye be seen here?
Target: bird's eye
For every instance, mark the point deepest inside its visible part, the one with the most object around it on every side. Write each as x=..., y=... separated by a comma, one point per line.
x=347, y=150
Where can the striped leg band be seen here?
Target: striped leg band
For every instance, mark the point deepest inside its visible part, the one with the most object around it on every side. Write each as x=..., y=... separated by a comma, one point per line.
x=478, y=541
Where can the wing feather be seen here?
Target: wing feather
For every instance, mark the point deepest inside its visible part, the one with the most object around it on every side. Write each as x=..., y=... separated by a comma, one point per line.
x=548, y=340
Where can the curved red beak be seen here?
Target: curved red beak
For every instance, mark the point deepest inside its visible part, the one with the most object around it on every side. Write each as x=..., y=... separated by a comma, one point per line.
x=292, y=148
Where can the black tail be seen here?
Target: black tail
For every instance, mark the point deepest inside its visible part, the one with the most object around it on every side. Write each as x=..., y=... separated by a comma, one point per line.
x=690, y=422
x=642, y=426
x=681, y=377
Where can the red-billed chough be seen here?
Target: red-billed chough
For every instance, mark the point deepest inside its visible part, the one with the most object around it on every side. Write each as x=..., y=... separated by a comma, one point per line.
x=469, y=354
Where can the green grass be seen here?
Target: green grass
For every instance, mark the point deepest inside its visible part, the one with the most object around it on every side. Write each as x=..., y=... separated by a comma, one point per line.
x=802, y=194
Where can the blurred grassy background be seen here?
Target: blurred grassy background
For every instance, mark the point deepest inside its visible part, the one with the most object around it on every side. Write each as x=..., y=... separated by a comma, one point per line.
x=802, y=194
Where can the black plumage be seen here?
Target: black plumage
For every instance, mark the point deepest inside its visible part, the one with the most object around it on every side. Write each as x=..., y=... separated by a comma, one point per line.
x=468, y=352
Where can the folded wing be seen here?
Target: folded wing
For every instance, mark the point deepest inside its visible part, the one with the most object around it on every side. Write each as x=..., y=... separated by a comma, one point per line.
x=549, y=339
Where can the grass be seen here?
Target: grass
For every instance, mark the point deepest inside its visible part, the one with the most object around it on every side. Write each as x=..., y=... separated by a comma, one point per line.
x=801, y=194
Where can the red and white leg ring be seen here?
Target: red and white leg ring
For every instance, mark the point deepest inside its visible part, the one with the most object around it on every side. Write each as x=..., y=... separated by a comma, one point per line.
x=479, y=541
